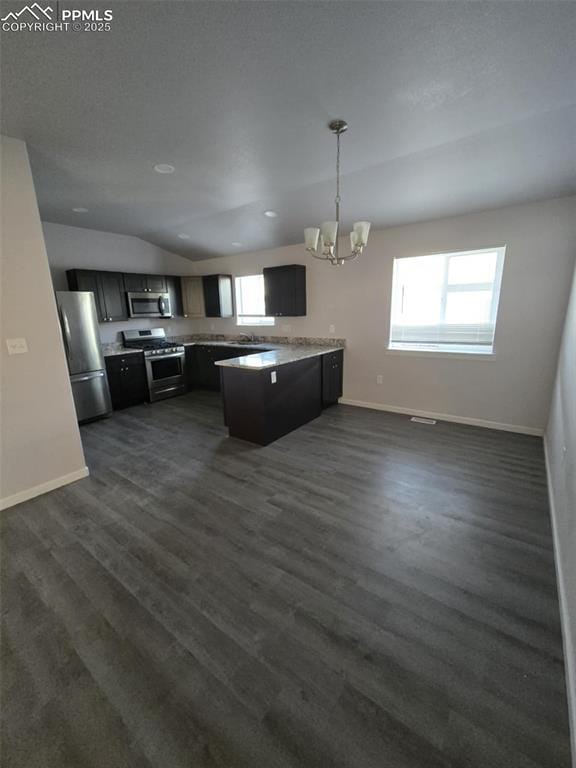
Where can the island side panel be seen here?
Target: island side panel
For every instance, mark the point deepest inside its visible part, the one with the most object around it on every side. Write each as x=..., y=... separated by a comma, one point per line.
x=261, y=410
x=243, y=401
x=295, y=398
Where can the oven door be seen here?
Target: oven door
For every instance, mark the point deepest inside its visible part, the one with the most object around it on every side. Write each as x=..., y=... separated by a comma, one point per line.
x=165, y=375
x=149, y=304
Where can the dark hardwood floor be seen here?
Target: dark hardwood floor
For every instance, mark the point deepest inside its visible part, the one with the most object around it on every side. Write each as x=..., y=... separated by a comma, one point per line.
x=365, y=592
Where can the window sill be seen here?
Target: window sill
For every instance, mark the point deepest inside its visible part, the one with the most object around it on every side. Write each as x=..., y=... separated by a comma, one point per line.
x=255, y=325
x=443, y=353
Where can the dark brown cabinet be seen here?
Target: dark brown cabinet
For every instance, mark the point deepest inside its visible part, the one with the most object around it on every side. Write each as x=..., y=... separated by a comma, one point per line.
x=190, y=368
x=206, y=374
x=201, y=372
x=108, y=288
x=285, y=290
x=127, y=380
x=218, y=298
x=86, y=280
x=144, y=283
x=113, y=296
x=261, y=406
x=174, y=289
x=332, y=377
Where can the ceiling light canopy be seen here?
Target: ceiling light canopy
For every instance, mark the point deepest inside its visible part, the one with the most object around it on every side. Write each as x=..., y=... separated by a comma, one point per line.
x=80, y=210
x=184, y=236
x=322, y=242
x=164, y=168
x=236, y=244
x=270, y=214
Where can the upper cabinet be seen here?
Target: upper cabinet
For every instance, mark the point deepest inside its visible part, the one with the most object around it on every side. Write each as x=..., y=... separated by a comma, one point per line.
x=113, y=296
x=108, y=289
x=144, y=283
x=174, y=290
x=218, y=298
x=86, y=280
x=193, y=297
x=285, y=290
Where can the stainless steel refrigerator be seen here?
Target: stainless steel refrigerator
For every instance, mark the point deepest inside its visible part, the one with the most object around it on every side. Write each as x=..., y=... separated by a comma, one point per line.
x=79, y=323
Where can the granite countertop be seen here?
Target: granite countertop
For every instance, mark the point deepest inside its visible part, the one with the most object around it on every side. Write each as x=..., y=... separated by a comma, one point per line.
x=111, y=350
x=235, y=344
x=282, y=355
x=281, y=350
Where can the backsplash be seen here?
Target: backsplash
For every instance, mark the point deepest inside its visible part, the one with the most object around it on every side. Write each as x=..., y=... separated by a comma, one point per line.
x=306, y=340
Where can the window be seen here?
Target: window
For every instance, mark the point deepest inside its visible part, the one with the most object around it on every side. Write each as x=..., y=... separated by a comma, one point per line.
x=250, y=301
x=447, y=302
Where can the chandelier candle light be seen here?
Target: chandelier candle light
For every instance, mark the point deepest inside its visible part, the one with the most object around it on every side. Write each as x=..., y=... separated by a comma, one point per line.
x=323, y=243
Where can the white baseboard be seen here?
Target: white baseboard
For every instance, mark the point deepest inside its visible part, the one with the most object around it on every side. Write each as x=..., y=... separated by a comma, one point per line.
x=568, y=640
x=38, y=490
x=446, y=417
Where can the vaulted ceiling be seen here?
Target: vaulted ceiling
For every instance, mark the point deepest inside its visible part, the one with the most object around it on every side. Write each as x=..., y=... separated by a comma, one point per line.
x=452, y=107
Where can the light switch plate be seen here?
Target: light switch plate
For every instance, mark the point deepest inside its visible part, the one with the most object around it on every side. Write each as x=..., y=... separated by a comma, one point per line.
x=17, y=346
x=273, y=377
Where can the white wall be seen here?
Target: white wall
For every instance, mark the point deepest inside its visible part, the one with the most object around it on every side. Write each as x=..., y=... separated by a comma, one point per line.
x=560, y=442
x=76, y=247
x=513, y=388
x=41, y=446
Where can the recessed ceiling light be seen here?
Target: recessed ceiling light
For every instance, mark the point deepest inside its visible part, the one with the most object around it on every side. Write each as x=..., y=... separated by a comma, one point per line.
x=80, y=210
x=164, y=168
x=182, y=236
x=270, y=214
x=236, y=244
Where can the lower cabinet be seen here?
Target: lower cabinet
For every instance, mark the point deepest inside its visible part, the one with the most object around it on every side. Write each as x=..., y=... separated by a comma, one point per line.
x=201, y=373
x=190, y=367
x=127, y=380
x=207, y=375
x=332, y=375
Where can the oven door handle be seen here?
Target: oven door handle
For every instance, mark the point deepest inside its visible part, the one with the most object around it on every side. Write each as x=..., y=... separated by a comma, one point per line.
x=152, y=358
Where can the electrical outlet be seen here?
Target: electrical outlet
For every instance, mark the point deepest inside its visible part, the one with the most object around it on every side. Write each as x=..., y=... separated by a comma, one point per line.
x=273, y=377
x=17, y=346
x=286, y=327
x=212, y=327
x=331, y=329
x=379, y=379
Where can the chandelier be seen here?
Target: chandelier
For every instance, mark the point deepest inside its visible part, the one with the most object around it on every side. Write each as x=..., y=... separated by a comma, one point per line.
x=322, y=243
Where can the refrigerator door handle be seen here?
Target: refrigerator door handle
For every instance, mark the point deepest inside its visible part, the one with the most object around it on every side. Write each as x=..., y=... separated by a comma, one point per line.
x=89, y=377
x=66, y=329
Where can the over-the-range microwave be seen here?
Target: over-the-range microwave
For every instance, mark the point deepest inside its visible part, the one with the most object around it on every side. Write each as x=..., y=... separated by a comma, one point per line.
x=149, y=304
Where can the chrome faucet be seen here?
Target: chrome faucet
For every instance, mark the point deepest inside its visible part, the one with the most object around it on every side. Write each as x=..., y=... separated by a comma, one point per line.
x=249, y=336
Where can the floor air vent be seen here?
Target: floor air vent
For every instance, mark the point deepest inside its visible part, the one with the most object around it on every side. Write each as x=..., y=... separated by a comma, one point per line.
x=421, y=420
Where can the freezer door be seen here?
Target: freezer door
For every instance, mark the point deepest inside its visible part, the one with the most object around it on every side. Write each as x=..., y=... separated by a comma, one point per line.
x=91, y=395
x=79, y=323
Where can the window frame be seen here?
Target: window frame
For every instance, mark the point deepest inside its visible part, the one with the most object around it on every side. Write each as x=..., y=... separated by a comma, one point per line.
x=439, y=349
x=251, y=320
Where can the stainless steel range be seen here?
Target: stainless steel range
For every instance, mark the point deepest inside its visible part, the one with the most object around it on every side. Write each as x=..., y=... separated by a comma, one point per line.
x=164, y=362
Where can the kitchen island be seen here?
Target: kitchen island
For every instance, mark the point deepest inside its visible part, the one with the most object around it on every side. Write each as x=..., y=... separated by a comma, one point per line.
x=268, y=394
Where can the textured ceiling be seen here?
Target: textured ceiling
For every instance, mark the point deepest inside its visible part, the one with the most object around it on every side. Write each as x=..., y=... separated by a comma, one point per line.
x=452, y=106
